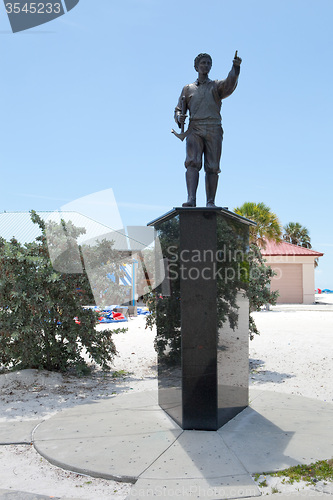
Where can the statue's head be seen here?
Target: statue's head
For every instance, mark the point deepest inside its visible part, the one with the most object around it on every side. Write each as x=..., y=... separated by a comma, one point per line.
x=198, y=59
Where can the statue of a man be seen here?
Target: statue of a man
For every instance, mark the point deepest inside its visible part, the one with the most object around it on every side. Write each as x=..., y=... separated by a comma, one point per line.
x=204, y=136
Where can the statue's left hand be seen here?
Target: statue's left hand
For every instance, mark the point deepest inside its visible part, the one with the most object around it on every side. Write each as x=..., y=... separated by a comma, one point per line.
x=237, y=60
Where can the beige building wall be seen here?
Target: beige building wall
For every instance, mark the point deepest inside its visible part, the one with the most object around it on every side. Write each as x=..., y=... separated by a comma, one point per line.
x=295, y=283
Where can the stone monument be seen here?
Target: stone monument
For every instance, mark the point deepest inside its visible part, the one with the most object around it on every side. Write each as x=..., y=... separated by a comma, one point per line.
x=202, y=311
x=202, y=316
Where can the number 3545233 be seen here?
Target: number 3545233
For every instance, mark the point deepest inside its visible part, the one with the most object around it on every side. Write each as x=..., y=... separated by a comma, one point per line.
x=33, y=8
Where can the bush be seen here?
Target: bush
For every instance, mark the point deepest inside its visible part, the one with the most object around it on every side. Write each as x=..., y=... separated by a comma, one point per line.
x=38, y=307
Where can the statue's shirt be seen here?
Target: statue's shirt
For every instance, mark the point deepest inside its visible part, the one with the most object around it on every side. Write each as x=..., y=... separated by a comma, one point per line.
x=203, y=100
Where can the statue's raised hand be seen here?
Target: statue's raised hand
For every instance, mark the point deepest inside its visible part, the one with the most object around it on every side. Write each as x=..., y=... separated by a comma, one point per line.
x=237, y=60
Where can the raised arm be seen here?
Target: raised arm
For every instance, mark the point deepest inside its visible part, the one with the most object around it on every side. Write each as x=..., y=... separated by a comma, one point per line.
x=227, y=86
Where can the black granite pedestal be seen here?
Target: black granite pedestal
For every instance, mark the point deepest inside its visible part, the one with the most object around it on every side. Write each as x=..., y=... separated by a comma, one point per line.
x=202, y=316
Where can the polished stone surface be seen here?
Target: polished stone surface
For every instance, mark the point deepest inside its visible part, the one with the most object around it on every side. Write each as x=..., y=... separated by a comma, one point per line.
x=233, y=364
x=206, y=385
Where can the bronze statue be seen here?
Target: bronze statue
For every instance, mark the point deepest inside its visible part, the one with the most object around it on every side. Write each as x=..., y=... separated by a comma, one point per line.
x=204, y=134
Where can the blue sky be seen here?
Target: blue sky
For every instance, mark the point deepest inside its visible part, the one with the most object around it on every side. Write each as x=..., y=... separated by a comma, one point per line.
x=87, y=104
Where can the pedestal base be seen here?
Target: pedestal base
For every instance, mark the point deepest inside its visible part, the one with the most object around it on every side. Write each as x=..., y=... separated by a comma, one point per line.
x=203, y=362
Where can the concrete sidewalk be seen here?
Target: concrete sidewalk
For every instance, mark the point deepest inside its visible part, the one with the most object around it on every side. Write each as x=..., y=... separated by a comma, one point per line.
x=22, y=495
x=130, y=438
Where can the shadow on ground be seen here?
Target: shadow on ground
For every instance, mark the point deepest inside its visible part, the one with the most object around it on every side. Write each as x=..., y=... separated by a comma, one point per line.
x=33, y=394
x=259, y=374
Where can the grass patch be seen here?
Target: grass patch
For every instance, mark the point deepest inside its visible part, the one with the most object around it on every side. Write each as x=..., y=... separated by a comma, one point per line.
x=263, y=484
x=318, y=471
x=120, y=374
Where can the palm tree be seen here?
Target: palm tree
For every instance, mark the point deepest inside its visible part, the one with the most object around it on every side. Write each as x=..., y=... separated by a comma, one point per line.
x=268, y=225
x=297, y=234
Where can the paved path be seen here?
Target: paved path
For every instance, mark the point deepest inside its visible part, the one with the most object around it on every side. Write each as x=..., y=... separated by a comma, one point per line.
x=130, y=438
x=22, y=495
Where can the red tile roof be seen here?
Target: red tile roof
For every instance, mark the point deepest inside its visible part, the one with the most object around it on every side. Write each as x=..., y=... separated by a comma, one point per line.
x=284, y=248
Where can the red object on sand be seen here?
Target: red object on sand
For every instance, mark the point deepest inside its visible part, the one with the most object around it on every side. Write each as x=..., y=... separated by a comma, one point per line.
x=117, y=315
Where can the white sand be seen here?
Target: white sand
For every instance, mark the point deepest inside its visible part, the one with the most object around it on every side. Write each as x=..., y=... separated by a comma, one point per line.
x=293, y=354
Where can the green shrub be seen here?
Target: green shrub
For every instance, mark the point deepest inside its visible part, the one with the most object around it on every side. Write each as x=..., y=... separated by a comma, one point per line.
x=37, y=310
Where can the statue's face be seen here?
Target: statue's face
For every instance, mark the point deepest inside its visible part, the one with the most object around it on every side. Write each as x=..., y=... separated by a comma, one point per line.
x=204, y=66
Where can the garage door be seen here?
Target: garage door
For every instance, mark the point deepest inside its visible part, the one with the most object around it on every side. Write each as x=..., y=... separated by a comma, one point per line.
x=289, y=282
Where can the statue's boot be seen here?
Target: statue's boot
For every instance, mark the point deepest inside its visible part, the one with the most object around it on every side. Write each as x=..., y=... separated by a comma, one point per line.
x=192, y=180
x=211, y=187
